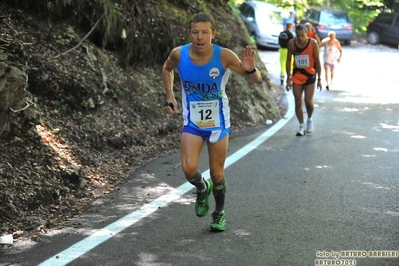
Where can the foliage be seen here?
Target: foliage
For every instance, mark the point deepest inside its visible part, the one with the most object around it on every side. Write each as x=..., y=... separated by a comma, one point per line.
x=99, y=122
x=126, y=27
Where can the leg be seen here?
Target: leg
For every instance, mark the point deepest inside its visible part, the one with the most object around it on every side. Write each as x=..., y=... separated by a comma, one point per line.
x=217, y=156
x=326, y=72
x=332, y=74
x=309, y=93
x=190, y=149
x=283, y=60
x=298, y=91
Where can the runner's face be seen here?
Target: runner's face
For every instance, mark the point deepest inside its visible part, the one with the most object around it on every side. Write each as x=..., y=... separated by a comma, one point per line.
x=301, y=36
x=202, y=35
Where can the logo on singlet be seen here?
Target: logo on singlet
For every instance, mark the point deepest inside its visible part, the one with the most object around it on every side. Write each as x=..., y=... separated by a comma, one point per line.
x=204, y=90
x=214, y=72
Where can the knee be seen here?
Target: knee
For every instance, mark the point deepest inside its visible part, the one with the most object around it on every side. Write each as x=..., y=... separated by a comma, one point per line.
x=189, y=170
x=309, y=102
x=217, y=176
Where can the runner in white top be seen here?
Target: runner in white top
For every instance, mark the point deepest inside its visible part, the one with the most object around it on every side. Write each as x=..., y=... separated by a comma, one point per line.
x=332, y=56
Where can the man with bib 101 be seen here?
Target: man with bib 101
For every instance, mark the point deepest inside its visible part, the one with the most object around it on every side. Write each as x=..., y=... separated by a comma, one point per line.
x=303, y=77
x=204, y=70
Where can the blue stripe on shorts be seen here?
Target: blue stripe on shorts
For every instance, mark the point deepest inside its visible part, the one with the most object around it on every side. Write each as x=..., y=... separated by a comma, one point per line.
x=209, y=135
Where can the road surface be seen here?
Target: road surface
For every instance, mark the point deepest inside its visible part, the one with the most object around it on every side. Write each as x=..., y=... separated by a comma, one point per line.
x=329, y=197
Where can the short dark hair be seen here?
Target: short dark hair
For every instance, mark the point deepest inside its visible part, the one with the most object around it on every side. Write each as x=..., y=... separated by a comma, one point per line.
x=289, y=25
x=301, y=27
x=202, y=17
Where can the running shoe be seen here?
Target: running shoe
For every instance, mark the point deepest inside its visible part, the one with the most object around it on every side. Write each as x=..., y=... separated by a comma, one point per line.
x=202, y=202
x=309, y=127
x=301, y=131
x=218, y=223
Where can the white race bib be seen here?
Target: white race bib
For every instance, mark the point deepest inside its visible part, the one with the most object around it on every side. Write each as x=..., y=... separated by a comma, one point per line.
x=205, y=114
x=302, y=61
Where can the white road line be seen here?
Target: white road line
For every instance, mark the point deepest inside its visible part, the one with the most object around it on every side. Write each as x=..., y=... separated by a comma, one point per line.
x=109, y=231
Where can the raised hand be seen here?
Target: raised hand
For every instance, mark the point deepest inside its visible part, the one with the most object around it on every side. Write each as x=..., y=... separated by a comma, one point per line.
x=248, y=58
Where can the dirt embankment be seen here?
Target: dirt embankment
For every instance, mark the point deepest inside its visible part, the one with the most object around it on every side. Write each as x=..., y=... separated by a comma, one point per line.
x=98, y=120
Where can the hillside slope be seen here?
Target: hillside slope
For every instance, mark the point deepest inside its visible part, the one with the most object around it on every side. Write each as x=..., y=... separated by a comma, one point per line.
x=92, y=118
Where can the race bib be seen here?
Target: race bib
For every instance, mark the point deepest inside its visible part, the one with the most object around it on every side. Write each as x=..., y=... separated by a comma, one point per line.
x=302, y=61
x=205, y=114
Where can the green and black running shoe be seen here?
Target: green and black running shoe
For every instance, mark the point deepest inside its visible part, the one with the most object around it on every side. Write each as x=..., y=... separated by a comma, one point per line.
x=202, y=202
x=218, y=223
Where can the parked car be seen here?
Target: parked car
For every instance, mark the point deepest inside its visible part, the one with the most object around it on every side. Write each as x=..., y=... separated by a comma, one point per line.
x=263, y=21
x=384, y=28
x=329, y=19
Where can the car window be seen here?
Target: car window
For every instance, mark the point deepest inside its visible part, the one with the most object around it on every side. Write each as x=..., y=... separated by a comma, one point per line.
x=334, y=18
x=275, y=17
x=385, y=19
x=247, y=11
x=313, y=14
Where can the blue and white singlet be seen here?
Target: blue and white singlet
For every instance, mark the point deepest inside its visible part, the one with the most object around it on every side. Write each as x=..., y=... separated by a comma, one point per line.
x=205, y=104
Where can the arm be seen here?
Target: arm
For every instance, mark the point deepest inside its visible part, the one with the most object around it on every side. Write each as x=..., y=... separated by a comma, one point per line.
x=316, y=56
x=324, y=41
x=168, y=78
x=317, y=38
x=339, y=47
x=288, y=64
x=242, y=67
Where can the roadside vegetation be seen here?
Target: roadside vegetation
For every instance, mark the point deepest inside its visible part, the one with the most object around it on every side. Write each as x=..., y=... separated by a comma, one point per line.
x=81, y=99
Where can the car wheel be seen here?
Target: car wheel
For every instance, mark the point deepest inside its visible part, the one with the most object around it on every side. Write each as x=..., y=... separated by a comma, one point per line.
x=347, y=42
x=373, y=37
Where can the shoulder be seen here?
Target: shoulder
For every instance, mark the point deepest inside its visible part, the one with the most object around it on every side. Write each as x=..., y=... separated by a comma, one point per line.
x=314, y=43
x=176, y=50
x=324, y=41
x=174, y=55
x=227, y=53
x=291, y=44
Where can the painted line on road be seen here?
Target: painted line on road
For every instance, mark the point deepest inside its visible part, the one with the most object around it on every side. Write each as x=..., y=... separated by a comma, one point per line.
x=116, y=227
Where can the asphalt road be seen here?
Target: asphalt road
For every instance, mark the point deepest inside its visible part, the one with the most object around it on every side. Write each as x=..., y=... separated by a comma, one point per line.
x=332, y=195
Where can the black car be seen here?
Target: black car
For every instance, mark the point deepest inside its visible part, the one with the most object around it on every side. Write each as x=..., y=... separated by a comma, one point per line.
x=384, y=28
x=329, y=19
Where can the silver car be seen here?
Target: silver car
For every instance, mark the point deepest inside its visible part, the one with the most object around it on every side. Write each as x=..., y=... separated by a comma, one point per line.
x=328, y=19
x=263, y=21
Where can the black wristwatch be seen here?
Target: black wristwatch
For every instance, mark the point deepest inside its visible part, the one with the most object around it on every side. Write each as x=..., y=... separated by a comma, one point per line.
x=170, y=105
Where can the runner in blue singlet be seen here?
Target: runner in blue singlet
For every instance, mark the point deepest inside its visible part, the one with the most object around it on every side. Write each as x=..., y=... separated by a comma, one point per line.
x=204, y=70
